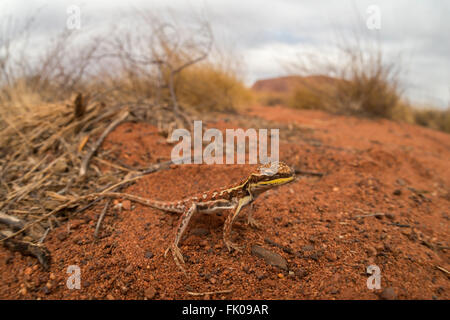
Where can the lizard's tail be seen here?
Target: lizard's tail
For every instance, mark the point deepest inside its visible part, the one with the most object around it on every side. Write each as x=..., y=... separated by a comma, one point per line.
x=161, y=205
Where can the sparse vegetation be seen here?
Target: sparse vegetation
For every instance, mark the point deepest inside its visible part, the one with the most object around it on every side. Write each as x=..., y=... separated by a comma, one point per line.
x=357, y=80
x=158, y=60
x=433, y=118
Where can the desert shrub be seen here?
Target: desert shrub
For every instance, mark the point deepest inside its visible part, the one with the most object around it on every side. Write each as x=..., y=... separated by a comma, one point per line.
x=211, y=86
x=433, y=118
x=363, y=81
x=403, y=112
x=306, y=98
x=313, y=92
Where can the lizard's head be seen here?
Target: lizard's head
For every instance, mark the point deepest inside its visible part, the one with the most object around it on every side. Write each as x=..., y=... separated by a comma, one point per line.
x=268, y=176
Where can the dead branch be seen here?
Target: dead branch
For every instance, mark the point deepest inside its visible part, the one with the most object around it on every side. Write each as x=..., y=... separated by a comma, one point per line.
x=443, y=270
x=209, y=293
x=14, y=222
x=100, y=219
x=26, y=248
x=93, y=150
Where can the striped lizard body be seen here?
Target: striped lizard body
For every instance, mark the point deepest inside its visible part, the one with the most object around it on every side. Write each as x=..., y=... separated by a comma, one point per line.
x=233, y=198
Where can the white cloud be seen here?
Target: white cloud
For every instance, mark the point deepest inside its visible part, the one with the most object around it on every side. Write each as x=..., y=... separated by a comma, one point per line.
x=265, y=32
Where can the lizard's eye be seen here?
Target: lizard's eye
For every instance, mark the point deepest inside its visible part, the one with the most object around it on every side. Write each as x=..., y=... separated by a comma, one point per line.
x=269, y=171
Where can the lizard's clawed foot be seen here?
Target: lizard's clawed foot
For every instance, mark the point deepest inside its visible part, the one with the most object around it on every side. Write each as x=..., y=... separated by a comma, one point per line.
x=231, y=245
x=254, y=223
x=177, y=257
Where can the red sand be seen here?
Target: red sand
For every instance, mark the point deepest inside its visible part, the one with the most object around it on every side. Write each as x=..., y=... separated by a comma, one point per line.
x=371, y=167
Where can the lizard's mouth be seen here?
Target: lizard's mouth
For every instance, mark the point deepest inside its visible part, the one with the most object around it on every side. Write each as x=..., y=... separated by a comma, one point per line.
x=276, y=182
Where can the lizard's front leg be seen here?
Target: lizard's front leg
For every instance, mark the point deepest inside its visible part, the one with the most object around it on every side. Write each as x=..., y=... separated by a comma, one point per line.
x=252, y=221
x=181, y=227
x=230, y=220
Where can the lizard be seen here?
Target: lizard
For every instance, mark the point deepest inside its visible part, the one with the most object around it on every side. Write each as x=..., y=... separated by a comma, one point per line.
x=233, y=198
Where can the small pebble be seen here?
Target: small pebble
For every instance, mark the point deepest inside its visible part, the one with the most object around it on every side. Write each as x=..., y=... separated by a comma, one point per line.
x=150, y=293
x=390, y=216
x=129, y=269
x=331, y=256
x=126, y=204
x=388, y=294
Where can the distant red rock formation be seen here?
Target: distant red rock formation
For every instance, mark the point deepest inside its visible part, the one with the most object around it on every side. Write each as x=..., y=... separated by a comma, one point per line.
x=288, y=83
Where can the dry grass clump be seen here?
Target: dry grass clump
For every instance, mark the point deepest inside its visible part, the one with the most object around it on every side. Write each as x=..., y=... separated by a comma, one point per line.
x=363, y=83
x=209, y=86
x=433, y=118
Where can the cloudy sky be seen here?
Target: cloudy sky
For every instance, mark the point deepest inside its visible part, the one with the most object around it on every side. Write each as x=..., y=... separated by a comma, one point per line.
x=266, y=34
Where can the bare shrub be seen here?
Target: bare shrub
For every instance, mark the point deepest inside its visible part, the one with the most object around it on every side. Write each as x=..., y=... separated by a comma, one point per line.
x=28, y=77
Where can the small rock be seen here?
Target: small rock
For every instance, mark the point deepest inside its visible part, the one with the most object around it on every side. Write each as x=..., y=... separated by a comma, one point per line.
x=28, y=271
x=23, y=291
x=150, y=293
x=126, y=204
x=62, y=236
x=334, y=290
x=149, y=254
x=397, y=192
x=270, y=257
x=110, y=297
x=52, y=276
x=371, y=251
x=331, y=256
x=129, y=269
x=280, y=275
x=315, y=256
x=390, y=216
x=388, y=294
x=260, y=275
x=301, y=273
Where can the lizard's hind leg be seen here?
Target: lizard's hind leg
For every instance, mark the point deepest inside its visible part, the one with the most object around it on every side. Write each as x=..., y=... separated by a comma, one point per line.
x=182, y=224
